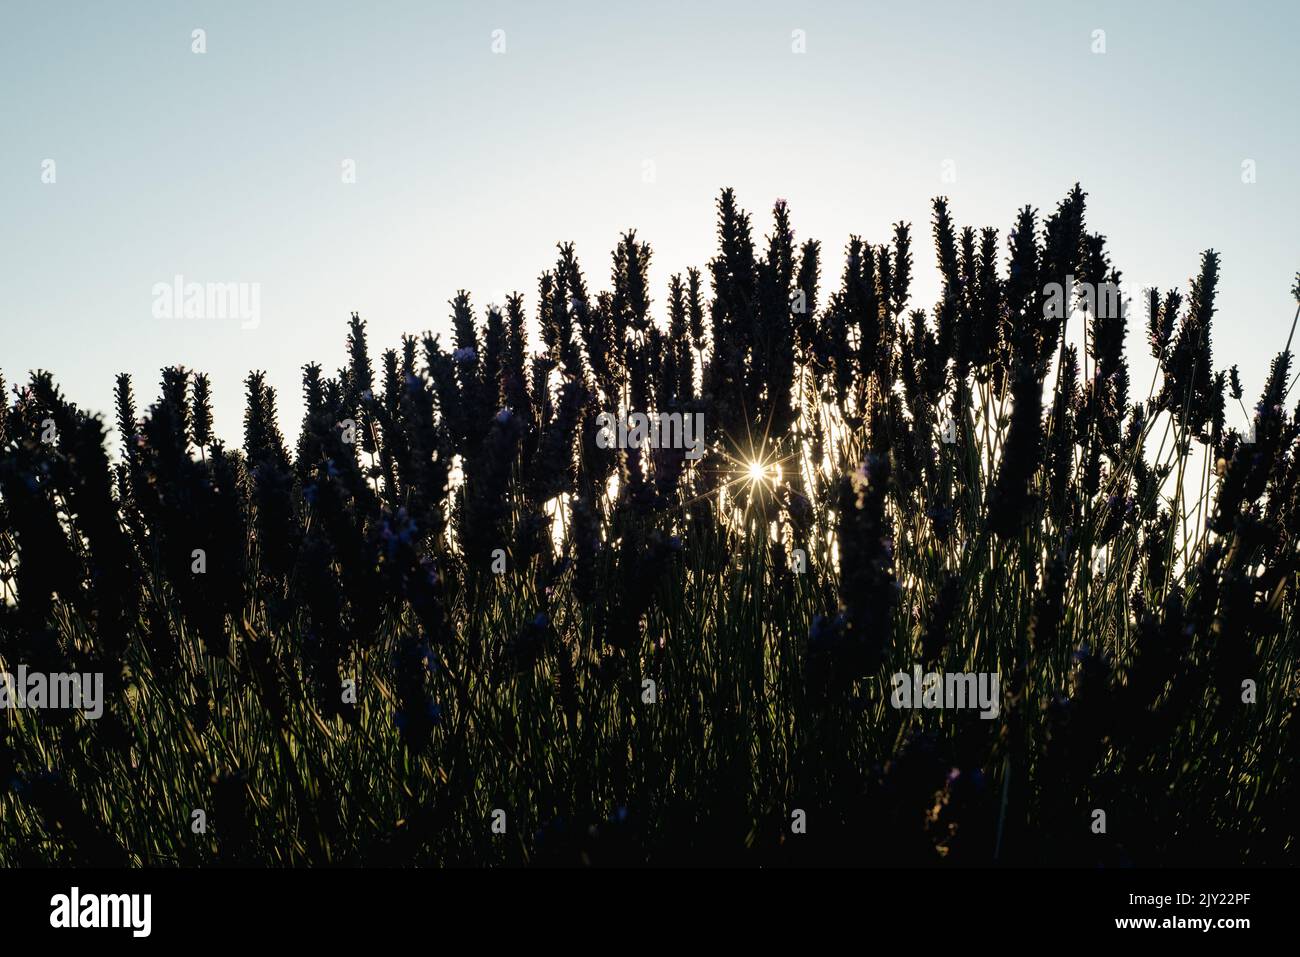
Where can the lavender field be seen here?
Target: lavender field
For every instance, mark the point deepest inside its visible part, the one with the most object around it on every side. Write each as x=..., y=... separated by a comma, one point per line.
x=895, y=583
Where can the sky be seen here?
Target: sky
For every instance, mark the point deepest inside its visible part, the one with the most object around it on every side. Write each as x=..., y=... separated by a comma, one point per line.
x=479, y=135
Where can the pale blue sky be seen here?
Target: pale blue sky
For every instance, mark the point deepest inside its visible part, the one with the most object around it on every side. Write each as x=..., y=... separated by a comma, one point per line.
x=470, y=165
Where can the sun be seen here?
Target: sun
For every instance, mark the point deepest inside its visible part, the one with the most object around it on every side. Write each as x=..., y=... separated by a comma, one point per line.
x=762, y=473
